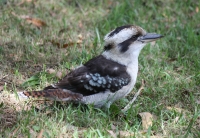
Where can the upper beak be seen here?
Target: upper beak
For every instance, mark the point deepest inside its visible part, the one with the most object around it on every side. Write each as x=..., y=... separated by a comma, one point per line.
x=149, y=37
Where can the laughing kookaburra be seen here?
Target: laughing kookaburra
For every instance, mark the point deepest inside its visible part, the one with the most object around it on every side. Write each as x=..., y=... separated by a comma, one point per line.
x=107, y=77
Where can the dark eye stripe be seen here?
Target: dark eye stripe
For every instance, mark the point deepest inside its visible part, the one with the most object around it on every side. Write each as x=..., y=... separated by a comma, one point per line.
x=108, y=47
x=125, y=44
x=118, y=29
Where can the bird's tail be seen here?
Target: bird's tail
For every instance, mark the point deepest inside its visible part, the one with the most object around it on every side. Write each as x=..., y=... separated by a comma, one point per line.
x=52, y=94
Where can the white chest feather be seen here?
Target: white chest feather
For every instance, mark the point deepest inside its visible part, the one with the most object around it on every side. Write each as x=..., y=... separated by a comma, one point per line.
x=106, y=98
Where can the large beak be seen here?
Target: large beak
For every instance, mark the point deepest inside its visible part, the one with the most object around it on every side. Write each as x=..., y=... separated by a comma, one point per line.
x=149, y=37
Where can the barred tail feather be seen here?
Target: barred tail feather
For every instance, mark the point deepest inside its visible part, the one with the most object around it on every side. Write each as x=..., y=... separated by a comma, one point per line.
x=52, y=94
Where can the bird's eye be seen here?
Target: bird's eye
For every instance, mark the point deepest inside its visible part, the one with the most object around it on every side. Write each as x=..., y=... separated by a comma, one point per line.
x=108, y=47
x=125, y=44
x=134, y=37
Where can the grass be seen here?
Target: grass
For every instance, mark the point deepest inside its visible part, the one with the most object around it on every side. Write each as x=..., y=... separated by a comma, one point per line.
x=171, y=68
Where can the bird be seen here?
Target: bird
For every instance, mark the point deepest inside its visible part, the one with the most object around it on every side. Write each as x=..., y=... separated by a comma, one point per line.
x=105, y=78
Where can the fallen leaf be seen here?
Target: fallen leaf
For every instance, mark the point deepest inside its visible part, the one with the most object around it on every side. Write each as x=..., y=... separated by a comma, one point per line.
x=113, y=127
x=156, y=136
x=80, y=24
x=153, y=43
x=79, y=41
x=123, y=134
x=48, y=112
x=180, y=110
x=41, y=54
x=179, y=68
x=40, y=134
x=197, y=9
x=112, y=133
x=139, y=134
x=176, y=120
x=147, y=120
x=20, y=16
x=36, y=22
x=51, y=71
x=67, y=44
x=109, y=3
x=60, y=45
x=80, y=37
x=178, y=38
x=59, y=75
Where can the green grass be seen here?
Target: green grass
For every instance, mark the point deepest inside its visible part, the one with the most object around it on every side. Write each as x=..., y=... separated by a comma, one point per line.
x=171, y=68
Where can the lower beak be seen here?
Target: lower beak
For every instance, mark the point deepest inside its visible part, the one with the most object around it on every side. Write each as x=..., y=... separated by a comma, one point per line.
x=149, y=37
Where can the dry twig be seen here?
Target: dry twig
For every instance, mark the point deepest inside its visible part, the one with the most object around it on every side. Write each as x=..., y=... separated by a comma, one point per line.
x=3, y=77
x=128, y=106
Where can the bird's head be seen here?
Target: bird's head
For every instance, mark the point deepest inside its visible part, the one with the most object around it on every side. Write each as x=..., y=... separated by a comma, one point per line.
x=127, y=40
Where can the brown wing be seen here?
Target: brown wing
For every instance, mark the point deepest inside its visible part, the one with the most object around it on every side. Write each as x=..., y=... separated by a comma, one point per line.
x=97, y=75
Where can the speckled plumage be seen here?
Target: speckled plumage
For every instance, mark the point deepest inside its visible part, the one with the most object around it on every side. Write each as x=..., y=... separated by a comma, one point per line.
x=107, y=77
